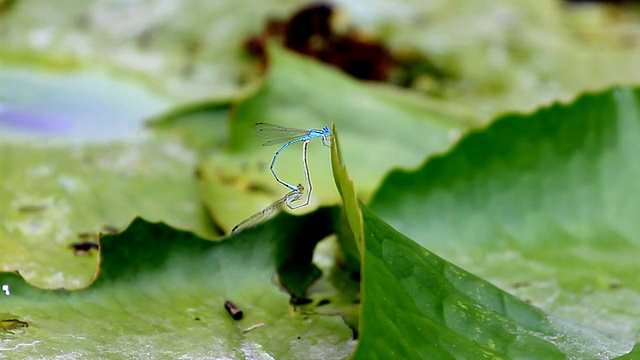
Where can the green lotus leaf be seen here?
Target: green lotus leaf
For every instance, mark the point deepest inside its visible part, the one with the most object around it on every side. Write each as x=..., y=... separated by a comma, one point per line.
x=161, y=292
x=56, y=196
x=543, y=205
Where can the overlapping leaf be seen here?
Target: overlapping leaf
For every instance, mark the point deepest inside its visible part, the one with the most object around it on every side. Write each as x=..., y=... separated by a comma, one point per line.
x=160, y=293
x=542, y=204
x=52, y=197
x=417, y=305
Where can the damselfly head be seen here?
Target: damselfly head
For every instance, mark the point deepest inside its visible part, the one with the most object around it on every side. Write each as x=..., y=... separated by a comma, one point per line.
x=294, y=195
x=326, y=136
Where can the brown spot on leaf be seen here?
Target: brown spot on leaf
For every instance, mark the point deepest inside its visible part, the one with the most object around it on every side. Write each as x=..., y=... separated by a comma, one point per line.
x=84, y=248
x=13, y=324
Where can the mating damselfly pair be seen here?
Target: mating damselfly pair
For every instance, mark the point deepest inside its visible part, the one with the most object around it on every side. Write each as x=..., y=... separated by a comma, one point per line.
x=288, y=136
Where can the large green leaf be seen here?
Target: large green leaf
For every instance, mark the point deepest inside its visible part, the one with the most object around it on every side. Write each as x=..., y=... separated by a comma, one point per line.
x=543, y=204
x=296, y=94
x=53, y=196
x=160, y=293
x=76, y=160
x=417, y=305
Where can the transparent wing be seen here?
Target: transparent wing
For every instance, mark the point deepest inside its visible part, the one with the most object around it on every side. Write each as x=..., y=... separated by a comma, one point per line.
x=263, y=214
x=260, y=216
x=278, y=132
